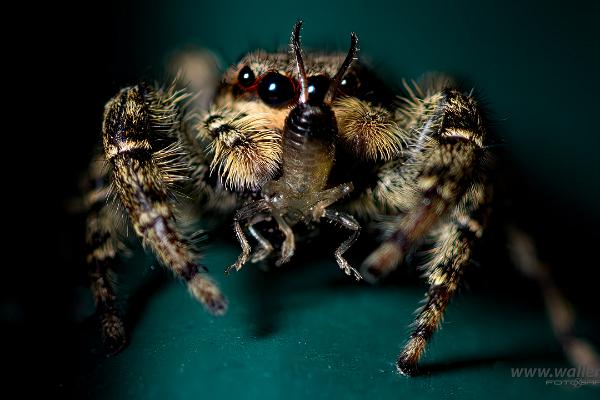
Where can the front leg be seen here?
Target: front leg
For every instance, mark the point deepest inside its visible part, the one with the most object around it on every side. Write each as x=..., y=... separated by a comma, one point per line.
x=141, y=176
x=447, y=157
x=451, y=254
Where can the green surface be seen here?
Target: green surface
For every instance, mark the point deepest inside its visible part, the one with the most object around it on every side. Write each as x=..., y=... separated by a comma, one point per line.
x=308, y=331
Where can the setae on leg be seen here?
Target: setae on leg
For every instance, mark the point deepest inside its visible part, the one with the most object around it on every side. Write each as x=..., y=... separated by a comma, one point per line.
x=141, y=179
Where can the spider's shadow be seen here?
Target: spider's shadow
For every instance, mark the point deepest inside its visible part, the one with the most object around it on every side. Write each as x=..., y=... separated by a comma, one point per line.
x=310, y=278
x=276, y=291
x=137, y=303
x=269, y=303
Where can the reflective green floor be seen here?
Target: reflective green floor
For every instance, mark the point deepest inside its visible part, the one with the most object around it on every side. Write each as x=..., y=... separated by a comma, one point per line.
x=308, y=331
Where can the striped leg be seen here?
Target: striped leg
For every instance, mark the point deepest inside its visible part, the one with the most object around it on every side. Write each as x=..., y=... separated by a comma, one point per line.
x=445, y=175
x=451, y=254
x=142, y=181
x=103, y=244
x=101, y=258
x=446, y=156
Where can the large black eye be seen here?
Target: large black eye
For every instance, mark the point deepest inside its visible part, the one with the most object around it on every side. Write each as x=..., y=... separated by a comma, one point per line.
x=246, y=77
x=275, y=89
x=317, y=88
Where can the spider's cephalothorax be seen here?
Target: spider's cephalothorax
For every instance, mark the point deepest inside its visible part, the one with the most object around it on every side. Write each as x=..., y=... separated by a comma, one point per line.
x=291, y=138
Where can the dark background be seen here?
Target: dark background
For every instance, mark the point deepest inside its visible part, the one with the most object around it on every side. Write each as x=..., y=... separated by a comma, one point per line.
x=535, y=65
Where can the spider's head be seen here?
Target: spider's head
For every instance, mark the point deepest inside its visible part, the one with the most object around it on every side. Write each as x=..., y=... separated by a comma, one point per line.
x=243, y=128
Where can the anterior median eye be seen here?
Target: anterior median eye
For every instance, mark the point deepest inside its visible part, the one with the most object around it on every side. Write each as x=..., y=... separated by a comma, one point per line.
x=317, y=88
x=276, y=89
x=246, y=77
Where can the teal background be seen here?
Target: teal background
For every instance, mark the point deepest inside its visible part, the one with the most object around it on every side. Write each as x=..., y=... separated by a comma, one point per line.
x=305, y=330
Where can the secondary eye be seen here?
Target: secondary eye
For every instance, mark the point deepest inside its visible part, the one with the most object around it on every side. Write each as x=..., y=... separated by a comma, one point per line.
x=275, y=89
x=246, y=77
x=349, y=84
x=317, y=88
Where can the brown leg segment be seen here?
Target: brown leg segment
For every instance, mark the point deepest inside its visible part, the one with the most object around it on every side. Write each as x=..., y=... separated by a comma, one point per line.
x=288, y=247
x=142, y=186
x=102, y=247
x=446, y=174
x=446, y=156
x=451, y=254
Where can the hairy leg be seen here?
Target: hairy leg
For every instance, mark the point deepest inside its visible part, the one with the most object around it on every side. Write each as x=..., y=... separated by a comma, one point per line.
x=102, y=248
x=450, y=255
x=142, y=176
x=447, y=154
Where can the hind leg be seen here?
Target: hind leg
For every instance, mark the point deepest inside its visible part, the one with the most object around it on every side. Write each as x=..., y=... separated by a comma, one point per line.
x=562, y=318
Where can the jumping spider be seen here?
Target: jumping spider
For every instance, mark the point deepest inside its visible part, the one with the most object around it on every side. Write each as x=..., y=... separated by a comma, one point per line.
x=289, y=138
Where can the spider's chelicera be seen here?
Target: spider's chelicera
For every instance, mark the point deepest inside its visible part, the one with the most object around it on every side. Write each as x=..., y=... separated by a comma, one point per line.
x=285, y=139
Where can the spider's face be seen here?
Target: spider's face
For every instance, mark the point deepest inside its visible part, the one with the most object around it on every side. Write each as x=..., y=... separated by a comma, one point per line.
x=243, y=127
x=245, y=123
